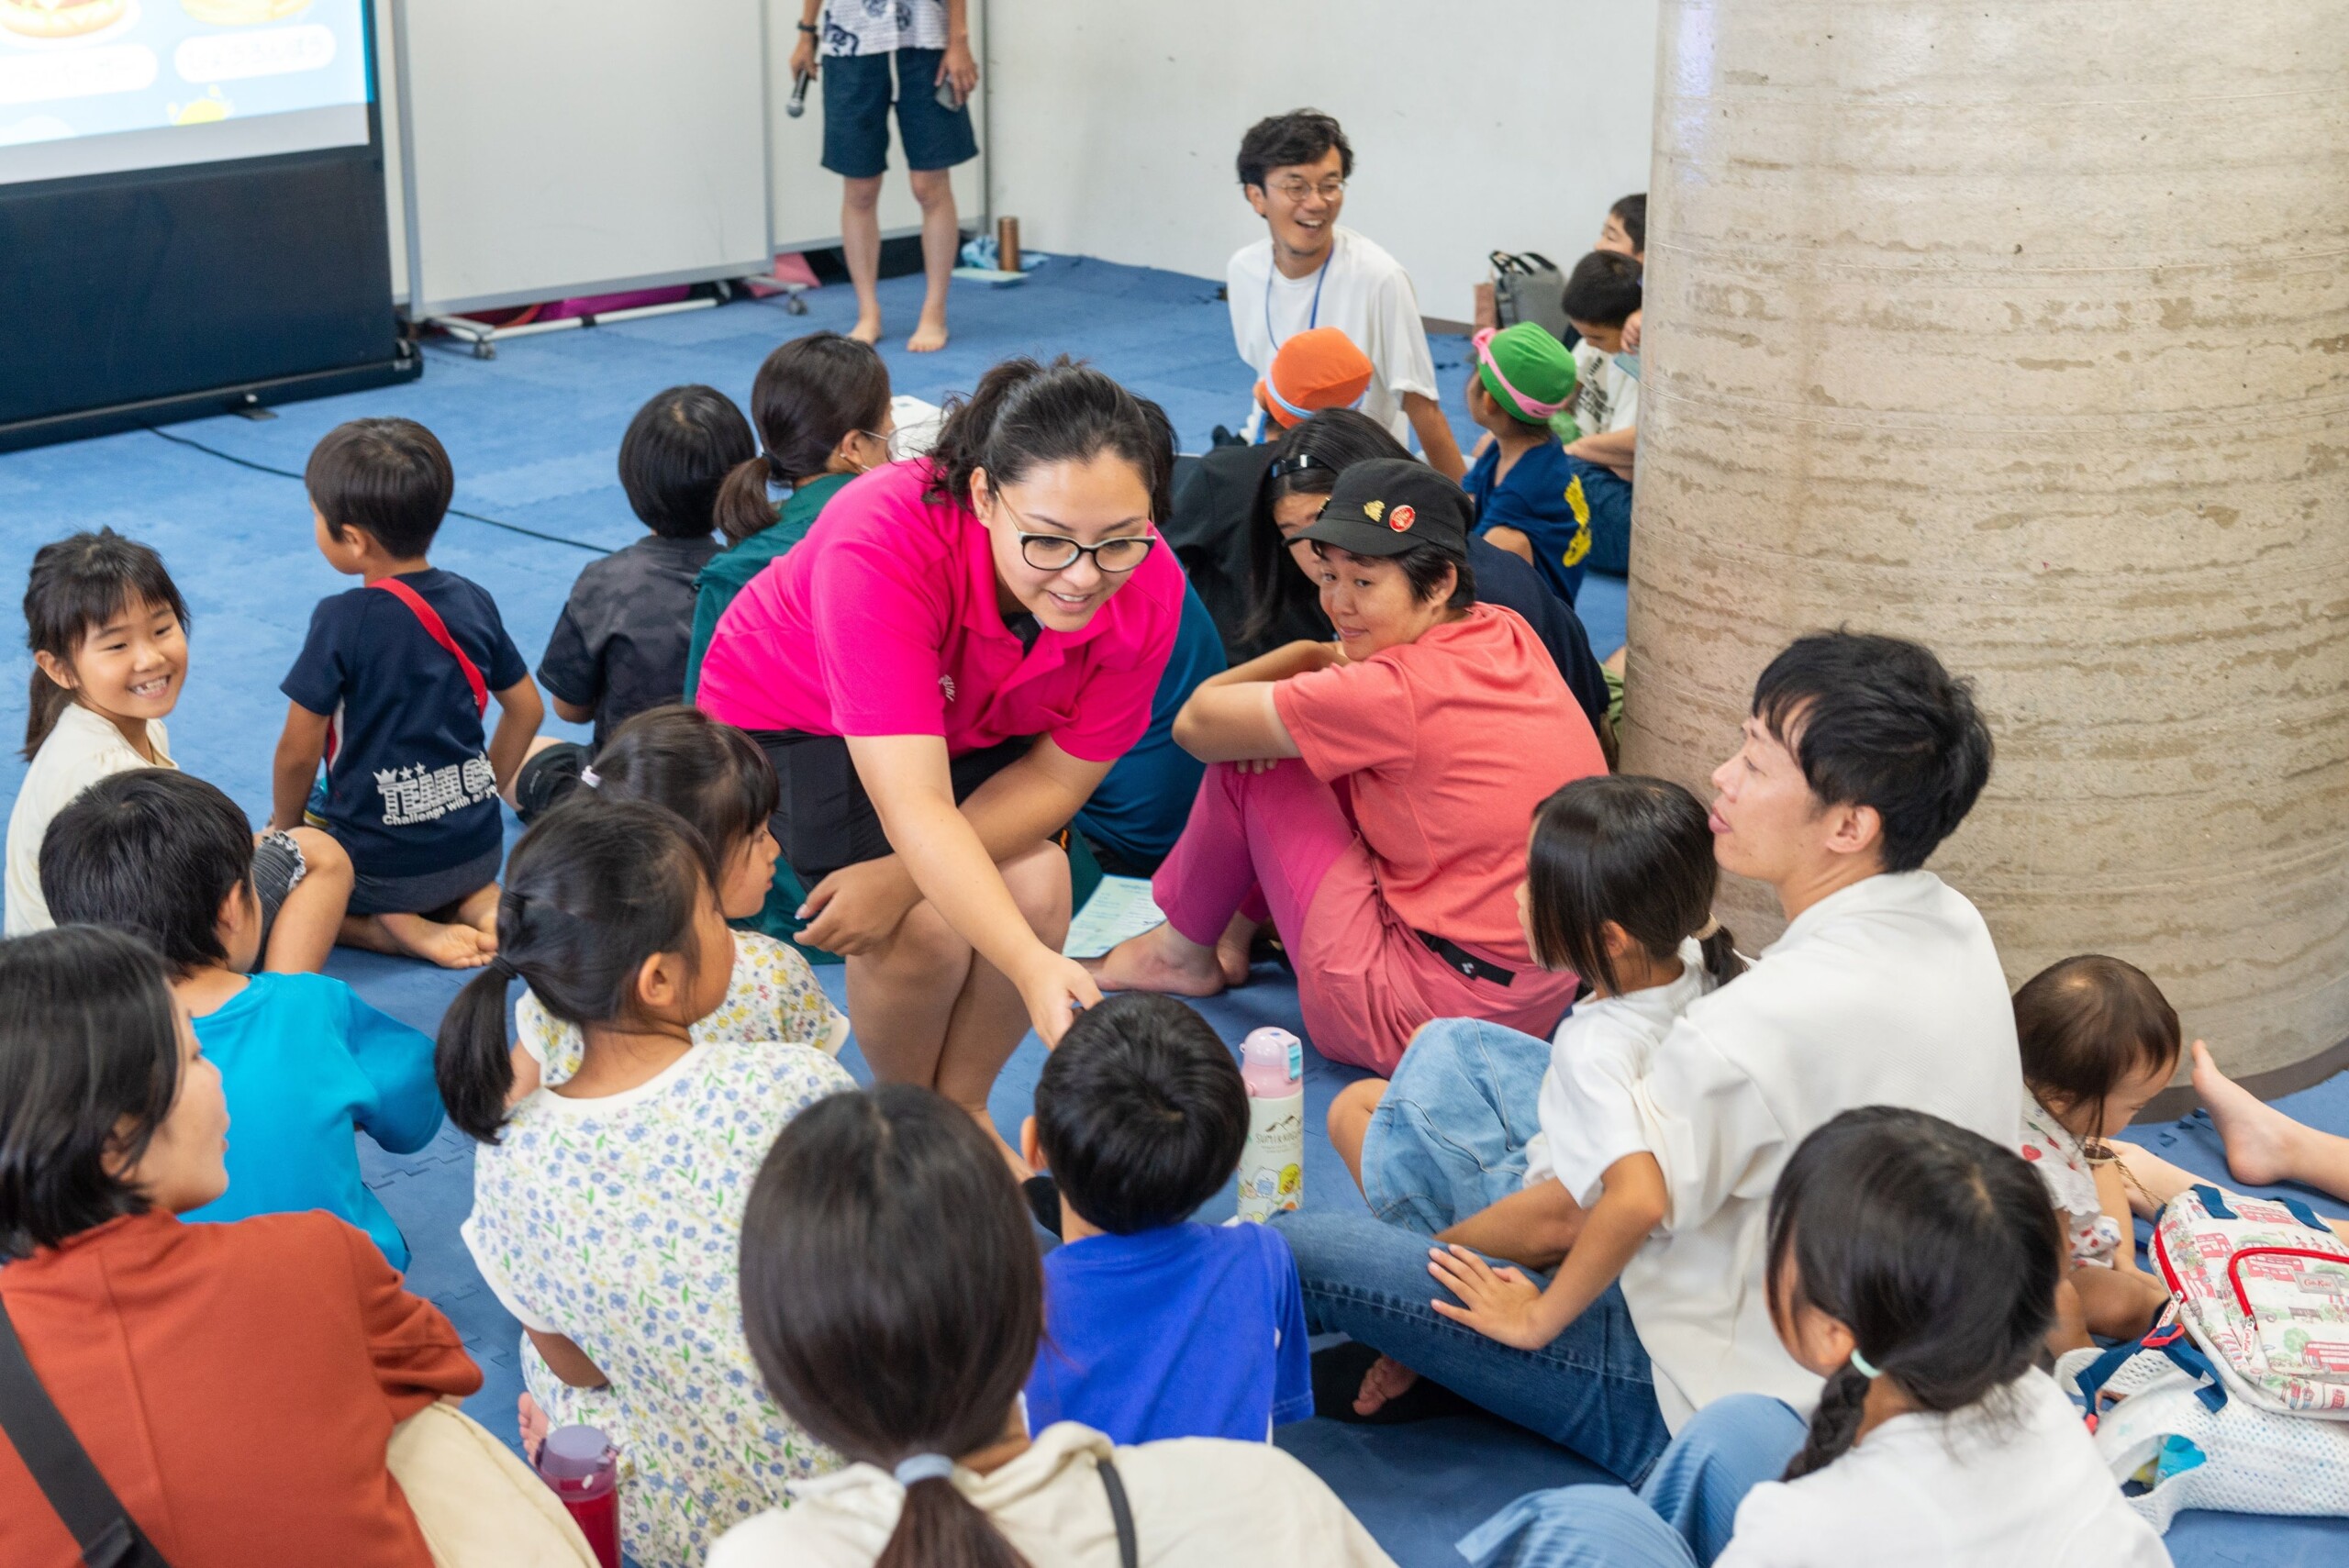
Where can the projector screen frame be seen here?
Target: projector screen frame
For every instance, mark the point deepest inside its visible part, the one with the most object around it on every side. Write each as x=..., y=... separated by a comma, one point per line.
x=128, y=289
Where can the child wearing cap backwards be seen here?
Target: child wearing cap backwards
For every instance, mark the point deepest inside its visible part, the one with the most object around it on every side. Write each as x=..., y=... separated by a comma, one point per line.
x=1317, y=369
x=1528, y=498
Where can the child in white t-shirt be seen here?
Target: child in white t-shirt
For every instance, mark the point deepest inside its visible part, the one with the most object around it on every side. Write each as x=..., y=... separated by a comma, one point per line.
x=1914, y=1266
x=109, y=631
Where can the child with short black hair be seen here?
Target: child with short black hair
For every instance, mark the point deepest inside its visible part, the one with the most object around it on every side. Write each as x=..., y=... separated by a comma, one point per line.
x=1529, y=500
x=2099, y=1041
x=619, y=647
x=108, y=634
x=1157, y=1326
x=607, y=1209
x=720, y=782
x=390, y=691
x=1601, y=297
x=303, y=1061
x=1625, y=230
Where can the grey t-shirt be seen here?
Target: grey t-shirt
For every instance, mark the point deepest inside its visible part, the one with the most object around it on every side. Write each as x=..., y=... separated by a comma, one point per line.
x=619, y=646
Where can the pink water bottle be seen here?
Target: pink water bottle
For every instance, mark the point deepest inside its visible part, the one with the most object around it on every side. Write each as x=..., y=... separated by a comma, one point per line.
x=1272, y=1162
x=584, y=1468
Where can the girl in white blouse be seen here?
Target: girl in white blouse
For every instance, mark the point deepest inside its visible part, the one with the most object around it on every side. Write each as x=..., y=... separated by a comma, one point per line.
x=1913, y=1265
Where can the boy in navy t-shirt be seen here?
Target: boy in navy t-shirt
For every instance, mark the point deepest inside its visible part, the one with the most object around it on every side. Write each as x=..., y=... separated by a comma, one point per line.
x=391, y=690
x=1156, y=1326
x=1529, y=499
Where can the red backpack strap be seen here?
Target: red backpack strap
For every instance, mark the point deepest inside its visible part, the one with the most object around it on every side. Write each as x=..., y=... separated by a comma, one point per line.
x=437, y=630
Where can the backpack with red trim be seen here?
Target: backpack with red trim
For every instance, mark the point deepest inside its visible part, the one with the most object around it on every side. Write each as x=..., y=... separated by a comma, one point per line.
x=2261, y=1285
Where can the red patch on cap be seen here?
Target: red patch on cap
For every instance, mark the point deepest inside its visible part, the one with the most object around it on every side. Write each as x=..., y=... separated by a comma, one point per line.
x=1402, y=519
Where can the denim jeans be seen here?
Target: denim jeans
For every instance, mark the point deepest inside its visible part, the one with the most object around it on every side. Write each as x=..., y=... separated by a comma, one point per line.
x=1449, y=1137
x=1681, y=1517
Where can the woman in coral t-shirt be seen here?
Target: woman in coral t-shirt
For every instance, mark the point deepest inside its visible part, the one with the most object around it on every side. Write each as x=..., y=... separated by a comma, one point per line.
x=942, y=670
x=1389, y=855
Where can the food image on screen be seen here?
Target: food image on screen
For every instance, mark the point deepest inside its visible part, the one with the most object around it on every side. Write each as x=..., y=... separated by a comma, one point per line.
x=107, y=87
x=59, y=18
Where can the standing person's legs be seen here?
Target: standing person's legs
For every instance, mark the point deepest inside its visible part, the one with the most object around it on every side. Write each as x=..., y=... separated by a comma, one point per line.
x=861, y=248
x=856, y=147
x=936, y=138
x=941, y=237
x=1589, y=1389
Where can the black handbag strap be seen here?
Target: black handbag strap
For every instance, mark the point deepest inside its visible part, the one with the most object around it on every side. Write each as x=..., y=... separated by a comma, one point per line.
x=62, y=1468
x=1122, y=1513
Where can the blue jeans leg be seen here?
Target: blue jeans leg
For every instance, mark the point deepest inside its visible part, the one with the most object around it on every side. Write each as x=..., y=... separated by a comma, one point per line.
x=1589, y=1389
x=1576, y=1527
x=1449, y=1137
x=1727, y=1449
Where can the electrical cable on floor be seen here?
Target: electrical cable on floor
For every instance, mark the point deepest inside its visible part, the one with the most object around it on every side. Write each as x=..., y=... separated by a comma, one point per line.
x=453, y=511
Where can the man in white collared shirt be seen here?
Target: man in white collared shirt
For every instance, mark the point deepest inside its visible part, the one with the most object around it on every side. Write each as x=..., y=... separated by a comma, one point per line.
x=1861, y=756
x=1308, y=270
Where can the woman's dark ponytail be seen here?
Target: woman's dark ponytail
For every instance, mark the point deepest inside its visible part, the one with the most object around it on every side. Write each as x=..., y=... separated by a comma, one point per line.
x=1024, y=416
x=591, y=890
x=893, y=1299
x=810, y=394
x=1934, y=1247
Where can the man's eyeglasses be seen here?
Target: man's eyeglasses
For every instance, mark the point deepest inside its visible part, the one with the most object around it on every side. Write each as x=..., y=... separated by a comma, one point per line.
x=1298, y=190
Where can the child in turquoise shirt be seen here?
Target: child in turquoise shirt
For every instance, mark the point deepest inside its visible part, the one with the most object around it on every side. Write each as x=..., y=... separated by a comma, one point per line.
x=303, y=1061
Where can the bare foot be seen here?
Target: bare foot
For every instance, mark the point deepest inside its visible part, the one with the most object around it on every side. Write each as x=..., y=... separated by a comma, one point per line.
x=1232, y=950
x=1162, y=959
x=1386, y=1379
x=867, y=329
x=479, y=910
x=2258, y=1137
x=929, y=335
x=413, y=936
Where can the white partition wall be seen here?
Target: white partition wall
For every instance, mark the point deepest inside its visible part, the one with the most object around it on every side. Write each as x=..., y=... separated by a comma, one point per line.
x=807, y=199
x=579, y=149
x=1476, y=125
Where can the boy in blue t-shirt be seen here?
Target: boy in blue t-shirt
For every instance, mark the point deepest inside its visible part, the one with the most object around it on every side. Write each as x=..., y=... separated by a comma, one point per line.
x=1529, y=499
x=390, y=691
x=1156, y=1326
x=303, y=1061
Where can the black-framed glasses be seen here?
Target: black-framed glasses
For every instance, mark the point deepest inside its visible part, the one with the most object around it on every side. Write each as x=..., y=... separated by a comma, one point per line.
x=1115, y=557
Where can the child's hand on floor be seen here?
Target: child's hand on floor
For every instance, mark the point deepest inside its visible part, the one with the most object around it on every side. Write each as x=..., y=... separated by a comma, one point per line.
x=1500, y=1302
x=533, y=1422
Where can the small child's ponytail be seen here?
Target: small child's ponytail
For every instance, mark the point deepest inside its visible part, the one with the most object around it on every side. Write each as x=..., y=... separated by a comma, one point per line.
x=1834, y=1425
x=1637, y=851
x=594, y=889
x=77, y=585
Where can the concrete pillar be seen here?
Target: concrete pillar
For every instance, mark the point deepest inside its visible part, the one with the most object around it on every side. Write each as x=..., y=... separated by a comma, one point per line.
x=2022, y=327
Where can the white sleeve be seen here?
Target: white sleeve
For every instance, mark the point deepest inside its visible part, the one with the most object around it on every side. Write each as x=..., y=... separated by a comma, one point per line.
x=1708, y=1125
x=1400, y=339
x=1588, y=1114
x=483, y=1252
x=1243, y=293
x=1623, y=412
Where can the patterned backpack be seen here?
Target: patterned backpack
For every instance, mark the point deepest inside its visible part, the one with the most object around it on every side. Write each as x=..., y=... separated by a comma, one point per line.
x=2261, y=1285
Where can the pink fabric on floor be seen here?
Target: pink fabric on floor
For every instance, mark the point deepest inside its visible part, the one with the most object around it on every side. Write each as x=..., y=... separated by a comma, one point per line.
x=1365, y=982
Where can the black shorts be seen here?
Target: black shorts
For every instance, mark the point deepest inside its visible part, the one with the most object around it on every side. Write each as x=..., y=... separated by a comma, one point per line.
x=856, y=113
x=825, y=820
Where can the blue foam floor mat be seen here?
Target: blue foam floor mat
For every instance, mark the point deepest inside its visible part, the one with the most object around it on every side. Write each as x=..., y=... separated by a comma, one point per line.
x=533, y=435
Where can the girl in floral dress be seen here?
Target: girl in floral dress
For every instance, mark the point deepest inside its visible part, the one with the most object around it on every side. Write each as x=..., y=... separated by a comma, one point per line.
x=607, y=1208
x=719, y=779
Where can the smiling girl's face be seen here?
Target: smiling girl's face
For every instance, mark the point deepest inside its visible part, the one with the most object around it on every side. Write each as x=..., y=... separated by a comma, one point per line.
x=1370, y=601
x=128, y=670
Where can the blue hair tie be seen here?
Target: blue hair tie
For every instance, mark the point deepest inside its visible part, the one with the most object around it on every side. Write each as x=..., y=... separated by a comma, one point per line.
x=923, y=1467
x=1861, y=1364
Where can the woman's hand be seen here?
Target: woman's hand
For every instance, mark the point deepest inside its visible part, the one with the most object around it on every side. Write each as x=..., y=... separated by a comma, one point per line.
x=1056, y=991
x=859, y=907
x=803, y=56
x=959, y=67
x=1501, y=1301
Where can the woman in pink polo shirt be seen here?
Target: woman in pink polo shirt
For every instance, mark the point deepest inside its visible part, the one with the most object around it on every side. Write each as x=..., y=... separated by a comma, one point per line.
x=942, y=670
x=1389, y=855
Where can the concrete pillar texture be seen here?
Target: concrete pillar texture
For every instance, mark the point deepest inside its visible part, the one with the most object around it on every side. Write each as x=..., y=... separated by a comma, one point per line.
x=2022, y=327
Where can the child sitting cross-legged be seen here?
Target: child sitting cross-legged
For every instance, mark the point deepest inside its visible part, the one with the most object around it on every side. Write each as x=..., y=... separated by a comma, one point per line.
x=391, y=690
x=720, y=782
x=303, y=1061
x=2099, y=1041
x=1914, y=1266
x=1156, y=1325
x=1529, y=499
x=607, y=1209
x=1620, y=883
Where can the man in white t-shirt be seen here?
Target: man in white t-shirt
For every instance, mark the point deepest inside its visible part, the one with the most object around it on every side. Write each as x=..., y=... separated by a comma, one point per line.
x=1309, y=272
x=1861, y=756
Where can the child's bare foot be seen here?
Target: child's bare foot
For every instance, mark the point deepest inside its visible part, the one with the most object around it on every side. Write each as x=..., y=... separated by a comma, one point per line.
x=867, y=329
x=2259, y=1137
x=479, y=910
x=1163, y=960
x=1386, y=1379
x=413, y=936
x=1232, y=950
x=929, y=335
